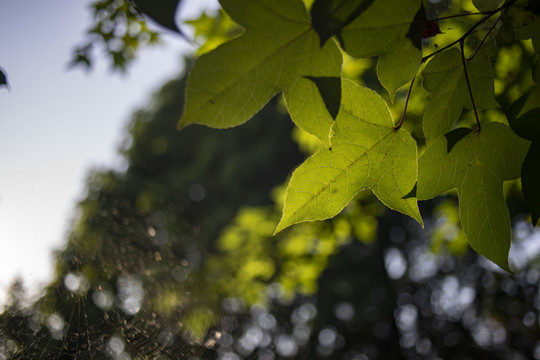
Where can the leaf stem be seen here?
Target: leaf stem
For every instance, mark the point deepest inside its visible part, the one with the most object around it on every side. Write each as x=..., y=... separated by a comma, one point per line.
x=487, y=14
x=461, y=41
x=398, y=126
x=487, y=34
x=463, y=61
x=462, y=15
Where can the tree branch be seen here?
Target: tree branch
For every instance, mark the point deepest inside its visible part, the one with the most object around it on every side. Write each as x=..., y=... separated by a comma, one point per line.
x=487, y=14
x=487, y=34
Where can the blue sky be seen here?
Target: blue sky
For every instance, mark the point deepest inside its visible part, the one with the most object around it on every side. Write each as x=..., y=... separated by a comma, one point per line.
x=57, y=124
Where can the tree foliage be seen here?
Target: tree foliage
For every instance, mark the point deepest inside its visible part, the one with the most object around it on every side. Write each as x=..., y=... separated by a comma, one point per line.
x=469, y=146
x=173, y=256
x=119, y=30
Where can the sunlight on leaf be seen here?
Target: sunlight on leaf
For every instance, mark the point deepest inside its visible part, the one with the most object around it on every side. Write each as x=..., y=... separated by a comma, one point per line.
x=330, y=16
x=279, y=49
x=477, y=166
x=383, y=30
x=366, y=153
x=443, y=76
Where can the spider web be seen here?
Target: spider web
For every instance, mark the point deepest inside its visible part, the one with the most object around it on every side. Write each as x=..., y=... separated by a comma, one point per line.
x=100, y=321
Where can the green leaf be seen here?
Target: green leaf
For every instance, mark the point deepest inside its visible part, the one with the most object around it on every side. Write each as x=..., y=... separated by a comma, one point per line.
x=279, y=49
x=476, y=166
x=213, y=30
x=162, y=11
x=444, y=77
x=367, y=152
x=487, y=5
x=384, y=30
x=328, y=17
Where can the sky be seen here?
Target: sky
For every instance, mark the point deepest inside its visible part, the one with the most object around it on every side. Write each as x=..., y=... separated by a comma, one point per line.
x=57, y=124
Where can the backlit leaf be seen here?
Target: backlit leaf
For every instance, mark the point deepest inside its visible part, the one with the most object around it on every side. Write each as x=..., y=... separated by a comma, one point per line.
x=443, y=76
x=476, y=166
x=384, y=30
x=330, y=16
x=367, y=152
x=279, y=49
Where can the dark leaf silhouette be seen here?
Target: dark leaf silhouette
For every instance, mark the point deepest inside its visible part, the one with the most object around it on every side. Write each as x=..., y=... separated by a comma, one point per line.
x=454, y=136
x=524, y=119
x=329, y=17
x=163, y=12
x=417, y=29
x=330, y=90
x=3, y=79
x=528, y=125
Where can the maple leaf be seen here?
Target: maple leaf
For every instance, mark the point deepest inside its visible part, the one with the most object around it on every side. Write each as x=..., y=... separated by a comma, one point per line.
x=477, y=165
x=444, y=77
x=278, y=52
x=329, y=17
x=367, y=152
x=384, y=29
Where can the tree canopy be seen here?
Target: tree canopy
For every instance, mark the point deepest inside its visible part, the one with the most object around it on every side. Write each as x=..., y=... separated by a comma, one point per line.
x=199, y=250
x=460, y=52
x=299, y=52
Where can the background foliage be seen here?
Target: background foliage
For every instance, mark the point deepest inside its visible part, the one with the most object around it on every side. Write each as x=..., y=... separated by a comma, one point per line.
x=174, y=257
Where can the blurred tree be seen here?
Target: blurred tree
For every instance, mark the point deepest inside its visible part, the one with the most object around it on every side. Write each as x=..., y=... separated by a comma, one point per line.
x=172, y=257
x=119, y=30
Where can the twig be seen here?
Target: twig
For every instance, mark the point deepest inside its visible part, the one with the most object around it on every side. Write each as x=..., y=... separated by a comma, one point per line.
x=487, y=34
x=462, y=15
x=398, y=126
x=461, y=41
x=487, y=14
